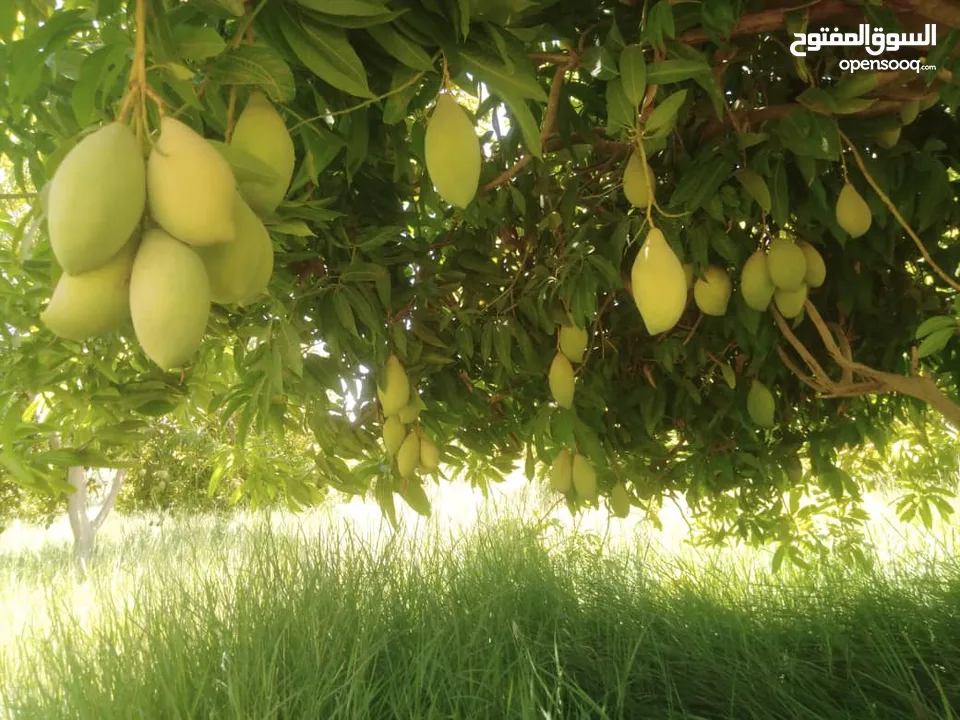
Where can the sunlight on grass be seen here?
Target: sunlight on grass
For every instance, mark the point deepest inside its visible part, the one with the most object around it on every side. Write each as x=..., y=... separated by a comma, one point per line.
x=508, y=607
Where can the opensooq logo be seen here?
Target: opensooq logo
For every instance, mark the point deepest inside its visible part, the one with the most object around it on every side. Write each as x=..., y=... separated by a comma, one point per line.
x=876, y=43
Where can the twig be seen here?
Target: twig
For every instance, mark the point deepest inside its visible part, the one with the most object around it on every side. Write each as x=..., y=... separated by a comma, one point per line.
x=17, y=196
x=693, y=329
x=363, y=104
x=896, y=213
x=549, y=118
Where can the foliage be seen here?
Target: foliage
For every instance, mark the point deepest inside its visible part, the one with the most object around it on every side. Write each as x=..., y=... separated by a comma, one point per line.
x=744, y=140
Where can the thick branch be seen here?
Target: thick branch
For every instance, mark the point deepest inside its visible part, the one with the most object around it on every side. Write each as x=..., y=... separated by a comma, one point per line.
x=921, y=387
x=111, y=499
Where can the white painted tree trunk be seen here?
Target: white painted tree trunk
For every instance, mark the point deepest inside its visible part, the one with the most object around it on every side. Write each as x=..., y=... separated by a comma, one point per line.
x=85, y=529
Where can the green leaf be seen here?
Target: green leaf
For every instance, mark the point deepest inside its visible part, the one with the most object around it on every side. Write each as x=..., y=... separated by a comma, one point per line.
x=245, y=166
x=756, y=186
x=933, y=324
x=356, y=22
x=401, y=47
x=345, y=314
x=633, y=73
x=936, y=341
x=664, y=116
x=198, y=42
x=672, y=71
x=258, y=66
x=620, y=113
x=660, y=24
x=521, y=114
x=327, y=53
x=345, y=7
x=518, y=82
x=853, y=85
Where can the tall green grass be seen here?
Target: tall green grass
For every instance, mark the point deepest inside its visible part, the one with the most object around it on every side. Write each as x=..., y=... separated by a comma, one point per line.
x=215, y=618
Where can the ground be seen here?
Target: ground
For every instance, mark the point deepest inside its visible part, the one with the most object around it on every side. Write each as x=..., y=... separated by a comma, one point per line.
x=475, y=613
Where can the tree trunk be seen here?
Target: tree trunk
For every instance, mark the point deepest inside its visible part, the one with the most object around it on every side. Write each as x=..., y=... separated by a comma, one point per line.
x=83, y=530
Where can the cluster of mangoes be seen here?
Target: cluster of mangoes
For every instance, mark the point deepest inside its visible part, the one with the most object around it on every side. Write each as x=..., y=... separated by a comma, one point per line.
x=158, y=241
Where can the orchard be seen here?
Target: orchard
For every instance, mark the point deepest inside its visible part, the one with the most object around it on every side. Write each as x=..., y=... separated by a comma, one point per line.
x=639, y=249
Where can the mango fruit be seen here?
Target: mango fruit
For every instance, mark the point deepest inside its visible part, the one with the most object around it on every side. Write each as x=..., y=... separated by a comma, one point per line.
x=853, y=213
x=394, y=387
x=760, y=404
x=573, y=342
x=790, y=302
x=816, y=268
x=452, y=152
x=262, y=274
x=190, y=187
x=584, y=478
x=712, y=292
x=561, y=472
x=261, y=132
x=94, y=302
x=659, y=284
x=96, y=198
x=408, y=456
x=562, y=381
x=234, y=266
x=394, y=433
x=755, y=284
x=638, y=181
x=786, y=263
x=620, y=500
x=429, y=454
x=169, y=299
x=909, y=111
x=888, y=138
x=409, y=413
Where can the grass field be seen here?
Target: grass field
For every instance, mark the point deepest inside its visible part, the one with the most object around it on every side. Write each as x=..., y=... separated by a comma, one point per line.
x=329, y=615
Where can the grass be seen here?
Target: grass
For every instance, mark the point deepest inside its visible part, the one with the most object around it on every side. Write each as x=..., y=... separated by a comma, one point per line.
x=269, y=617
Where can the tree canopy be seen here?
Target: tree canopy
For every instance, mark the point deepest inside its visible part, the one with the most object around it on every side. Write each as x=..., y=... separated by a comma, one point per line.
x=745, y=141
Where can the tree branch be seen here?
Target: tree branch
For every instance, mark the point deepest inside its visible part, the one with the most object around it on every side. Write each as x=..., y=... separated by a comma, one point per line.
x=111, y=498
x=920, y=387
x=549, y=119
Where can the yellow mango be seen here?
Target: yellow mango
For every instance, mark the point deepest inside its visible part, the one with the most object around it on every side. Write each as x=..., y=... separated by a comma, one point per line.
x=659, y=284
x=755, y=284
x=169, y=299
x=562, y=381
x=573, y=342
x=94, y=302
x=190, y=187
x=96, y=198
x=584, y=478
x=712, y=292
x=452, y=152
x=638, y=181
x=234, y=266
x=853, y=213
x=261, y=132
x=394, y=387
x=786, y=263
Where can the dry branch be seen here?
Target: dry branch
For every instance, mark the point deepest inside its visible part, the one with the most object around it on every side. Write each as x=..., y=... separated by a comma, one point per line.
x=874, y=382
